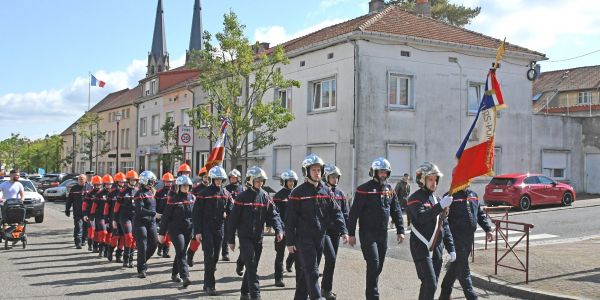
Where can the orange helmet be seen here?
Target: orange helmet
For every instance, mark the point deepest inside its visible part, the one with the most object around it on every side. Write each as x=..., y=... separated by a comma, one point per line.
x=202, y=171
x=96, y=180
x=120, y=177
x=107, y=179
x=184, y=168
x=132, y=175
x=168, y=177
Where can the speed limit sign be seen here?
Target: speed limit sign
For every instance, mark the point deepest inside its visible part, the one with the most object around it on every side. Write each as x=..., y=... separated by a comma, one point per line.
x=184, y=136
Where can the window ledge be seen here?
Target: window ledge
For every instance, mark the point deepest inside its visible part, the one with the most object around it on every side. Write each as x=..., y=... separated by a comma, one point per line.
x=321, y=111
x=400, y=108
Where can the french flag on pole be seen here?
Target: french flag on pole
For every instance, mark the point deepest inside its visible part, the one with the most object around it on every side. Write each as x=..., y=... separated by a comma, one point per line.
x=476, y=153
x=95, y=82
x=217, y=154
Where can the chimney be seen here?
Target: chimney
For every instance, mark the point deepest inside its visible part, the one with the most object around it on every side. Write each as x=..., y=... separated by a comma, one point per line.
x=260, y=47
x=376, y=6
x=423, y=7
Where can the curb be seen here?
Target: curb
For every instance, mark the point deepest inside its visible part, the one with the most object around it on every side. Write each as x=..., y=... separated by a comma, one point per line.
x=508, y=289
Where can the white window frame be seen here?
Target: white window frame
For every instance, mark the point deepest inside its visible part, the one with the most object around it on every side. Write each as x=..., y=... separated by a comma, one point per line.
x=169, y=115
x=126, y=166
x=110, y=167
x=480, y=90
x=584, y=97
x=153, y=86
x=550, y=171
x=397, y=173
x=287, y=104
x=332, y=81
x=396, y=76
x=275, y=149
x=185, y=116
x=144, y=126
x=155, y=131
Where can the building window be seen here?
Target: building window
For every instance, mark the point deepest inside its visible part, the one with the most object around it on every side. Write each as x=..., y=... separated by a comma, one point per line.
x=143, y=126
x=325, y=152
x=400, y=91
x=400, y=157
x=185, y=118
x=108, y=138
x=282, y=159
x=474, y=95
x=324, y=94
x=201, y=158
x=110, y=167
x=122, y=141
x=284, y=97
x=126, y=166
x=153, y=87
x=155, y=124
x=584, y=97
x=170, y=116
x=147, y=88
x=555, y=164
x=126, y=116
x=112, y=138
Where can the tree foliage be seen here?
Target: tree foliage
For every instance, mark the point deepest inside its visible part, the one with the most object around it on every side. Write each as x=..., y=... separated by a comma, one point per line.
x=236, y=77
x=169, y=142
x=443, y=10
x=93, y=139
x=28, y=155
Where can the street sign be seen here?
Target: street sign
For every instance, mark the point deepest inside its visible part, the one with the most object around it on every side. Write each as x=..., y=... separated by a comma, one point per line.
x=185, y=136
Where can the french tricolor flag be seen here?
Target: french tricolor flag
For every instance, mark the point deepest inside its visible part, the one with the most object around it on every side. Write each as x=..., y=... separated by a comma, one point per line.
x=217, y=154
x=476, y=153
x=95, y=82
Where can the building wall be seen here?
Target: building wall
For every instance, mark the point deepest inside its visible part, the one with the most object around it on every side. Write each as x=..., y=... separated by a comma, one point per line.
x=127, y=130
x=571, y=98
x=149, y=146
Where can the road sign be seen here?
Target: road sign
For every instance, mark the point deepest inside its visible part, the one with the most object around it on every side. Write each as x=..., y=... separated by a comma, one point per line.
x=185, y=136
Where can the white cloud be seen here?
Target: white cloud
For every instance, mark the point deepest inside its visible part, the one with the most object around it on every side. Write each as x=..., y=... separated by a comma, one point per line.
x=277, y=34
x=325, y=4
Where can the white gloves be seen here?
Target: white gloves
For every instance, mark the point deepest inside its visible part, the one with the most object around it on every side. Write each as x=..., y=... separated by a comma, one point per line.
x=452, y=257
x=446, y=201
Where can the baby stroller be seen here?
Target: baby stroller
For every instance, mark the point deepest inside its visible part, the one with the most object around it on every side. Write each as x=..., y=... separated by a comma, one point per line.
x=12, y=226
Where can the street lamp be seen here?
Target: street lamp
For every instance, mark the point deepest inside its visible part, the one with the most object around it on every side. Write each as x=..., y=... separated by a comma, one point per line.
x=117, y=118
x=74, y=131
x=47, y=153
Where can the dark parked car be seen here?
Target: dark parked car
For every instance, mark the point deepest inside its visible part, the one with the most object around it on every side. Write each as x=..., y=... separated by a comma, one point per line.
x=526, y=190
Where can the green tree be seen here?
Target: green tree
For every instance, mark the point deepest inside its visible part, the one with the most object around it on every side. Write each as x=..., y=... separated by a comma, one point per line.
x=443, y=10
x=169, y=138
x=10, y=152
x=93, y=139
x=236, y=77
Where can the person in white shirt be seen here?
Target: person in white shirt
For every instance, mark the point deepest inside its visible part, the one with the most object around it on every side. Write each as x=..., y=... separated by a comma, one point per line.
x=12, y=189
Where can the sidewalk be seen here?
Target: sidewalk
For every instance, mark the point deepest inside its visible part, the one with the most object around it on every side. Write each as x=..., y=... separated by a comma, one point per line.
x=570, y=270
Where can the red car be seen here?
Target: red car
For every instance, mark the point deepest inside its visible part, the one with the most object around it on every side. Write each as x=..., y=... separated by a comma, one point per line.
x=526, y=190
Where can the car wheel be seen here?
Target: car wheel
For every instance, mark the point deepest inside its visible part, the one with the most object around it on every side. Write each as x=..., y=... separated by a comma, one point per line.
x=39, y=219
x=567, y=199
x=524, y=203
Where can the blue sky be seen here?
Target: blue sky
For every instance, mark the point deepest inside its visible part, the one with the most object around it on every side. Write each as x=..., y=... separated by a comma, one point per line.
x=48, y=47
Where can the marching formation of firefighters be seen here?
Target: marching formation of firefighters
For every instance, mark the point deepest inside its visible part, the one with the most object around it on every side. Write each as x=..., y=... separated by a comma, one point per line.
x=122, y=215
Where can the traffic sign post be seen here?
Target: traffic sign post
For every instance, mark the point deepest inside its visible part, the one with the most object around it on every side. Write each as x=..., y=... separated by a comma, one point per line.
x=185, y=138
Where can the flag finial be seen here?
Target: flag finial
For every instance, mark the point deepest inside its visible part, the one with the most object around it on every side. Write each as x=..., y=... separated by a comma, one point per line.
x=500, y=54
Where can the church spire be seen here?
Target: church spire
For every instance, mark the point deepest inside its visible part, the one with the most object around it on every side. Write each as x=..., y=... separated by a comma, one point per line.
x=196, y=32
x=158, y=58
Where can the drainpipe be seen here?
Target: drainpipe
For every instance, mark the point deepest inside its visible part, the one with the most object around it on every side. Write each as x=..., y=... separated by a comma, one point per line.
x=355, y=123
x=194, y=162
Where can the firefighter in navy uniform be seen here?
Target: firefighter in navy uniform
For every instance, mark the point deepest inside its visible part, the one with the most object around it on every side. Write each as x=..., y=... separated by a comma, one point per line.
x=465, y=214
x=288, y=181
x=311, y=210
x=75, y=200
x=125, y=213
x=88, y=216
x=374, y=202
x=331, y=241
x=117, y=240
x=161, y=202
x=97, y=212
x=424, y=208
x=145, y=221
x=234, y=188
x=177, y=222
x=196, y=191
x=252, y=210
x=210, y=211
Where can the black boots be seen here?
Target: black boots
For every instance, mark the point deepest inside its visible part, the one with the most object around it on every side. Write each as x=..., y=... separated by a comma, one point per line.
x=190, y=258
x=159, y=249
x=119, y=255
x=100, y=250
x=109, y=253
x=165, y=252
x=90, y=245
x=130, y=264
x=95, y=247
x=128, y=258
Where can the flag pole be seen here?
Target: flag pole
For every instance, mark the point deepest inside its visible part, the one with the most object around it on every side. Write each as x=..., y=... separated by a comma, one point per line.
x=89, y=89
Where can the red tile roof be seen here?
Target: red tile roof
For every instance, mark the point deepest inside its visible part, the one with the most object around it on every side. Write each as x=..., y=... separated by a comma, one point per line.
x=582, y=78
x=397, y=21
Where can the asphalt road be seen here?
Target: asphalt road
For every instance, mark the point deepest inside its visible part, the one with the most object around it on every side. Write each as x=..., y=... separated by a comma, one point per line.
x=51, y=268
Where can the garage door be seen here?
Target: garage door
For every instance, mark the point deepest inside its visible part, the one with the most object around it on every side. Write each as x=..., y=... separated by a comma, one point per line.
x=592, y=173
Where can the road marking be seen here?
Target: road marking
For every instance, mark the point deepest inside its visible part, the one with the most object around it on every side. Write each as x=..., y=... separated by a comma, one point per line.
x=512, y=239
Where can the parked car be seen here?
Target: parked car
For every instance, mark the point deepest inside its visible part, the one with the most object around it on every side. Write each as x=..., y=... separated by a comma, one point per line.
x=34, y=202
x=61, y=191
x=53, y=180
x=34, y=177
x=526, y=190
